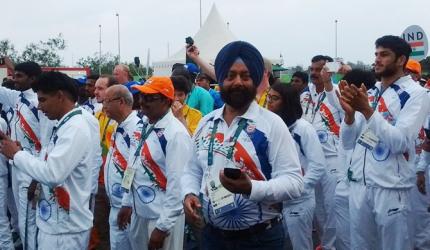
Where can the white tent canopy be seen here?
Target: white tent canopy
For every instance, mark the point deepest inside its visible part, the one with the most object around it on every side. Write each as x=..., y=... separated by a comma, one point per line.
x=211, y=37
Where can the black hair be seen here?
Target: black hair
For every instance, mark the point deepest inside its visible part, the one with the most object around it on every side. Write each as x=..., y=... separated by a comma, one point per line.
x=399, y=46
x=182, y=71
x=29, y=68
x=318, y=58
x=291, y=109
x=180, y=83
x=53, y=81
x=302, y=75
x=359, y=76
x=93, y=77
x=10, y=84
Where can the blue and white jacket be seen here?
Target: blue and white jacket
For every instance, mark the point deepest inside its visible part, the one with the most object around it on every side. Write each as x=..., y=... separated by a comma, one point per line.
x=264, y=150
x=399, y=114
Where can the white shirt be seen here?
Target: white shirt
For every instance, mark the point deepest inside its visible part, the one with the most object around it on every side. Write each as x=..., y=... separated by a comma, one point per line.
x=63, y=169
x=320, y=111
x=396, y=122
x=264, y=150
x=156, y=189
x=311, y=156
x=117, y=158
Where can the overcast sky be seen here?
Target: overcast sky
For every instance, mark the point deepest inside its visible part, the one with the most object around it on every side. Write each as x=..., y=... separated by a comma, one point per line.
x=298, y=29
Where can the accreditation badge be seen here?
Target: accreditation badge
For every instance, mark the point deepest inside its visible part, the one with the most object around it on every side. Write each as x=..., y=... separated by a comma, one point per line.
x=127, y=180
x=221, y=199
x=368, y=139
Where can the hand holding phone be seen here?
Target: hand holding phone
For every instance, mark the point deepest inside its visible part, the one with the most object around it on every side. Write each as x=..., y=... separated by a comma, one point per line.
x=232, y=173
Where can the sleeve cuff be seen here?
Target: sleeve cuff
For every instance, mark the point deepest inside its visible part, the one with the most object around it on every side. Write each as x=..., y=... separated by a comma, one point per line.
x=257, y=190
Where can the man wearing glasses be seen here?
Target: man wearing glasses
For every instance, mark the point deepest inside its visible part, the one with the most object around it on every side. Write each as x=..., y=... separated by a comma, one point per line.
x=160, y=148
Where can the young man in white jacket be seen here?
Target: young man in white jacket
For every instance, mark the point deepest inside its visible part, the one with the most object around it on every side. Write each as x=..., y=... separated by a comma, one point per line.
x=63, y=167
x=31, y=128
x=381, y=126
x=118, y=104
x=5, y=232
x=160, y=149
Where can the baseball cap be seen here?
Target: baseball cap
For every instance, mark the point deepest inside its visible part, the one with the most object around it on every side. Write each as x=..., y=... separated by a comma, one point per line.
x=192, y=68
x=157, y=85
x=414, y=66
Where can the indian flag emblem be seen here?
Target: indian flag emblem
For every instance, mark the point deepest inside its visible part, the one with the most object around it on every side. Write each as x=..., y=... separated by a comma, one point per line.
x=417, y=48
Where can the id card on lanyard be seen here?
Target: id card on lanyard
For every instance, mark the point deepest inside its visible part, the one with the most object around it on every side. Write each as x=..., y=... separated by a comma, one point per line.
x=222, y=200
x=129, y=173
x=368, y=139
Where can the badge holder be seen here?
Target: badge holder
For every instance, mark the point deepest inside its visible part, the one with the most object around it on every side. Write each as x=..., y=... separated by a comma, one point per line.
x=368, y=139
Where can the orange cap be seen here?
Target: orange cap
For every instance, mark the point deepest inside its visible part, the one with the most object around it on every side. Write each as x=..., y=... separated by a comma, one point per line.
x=414, y=66
x=157, y=85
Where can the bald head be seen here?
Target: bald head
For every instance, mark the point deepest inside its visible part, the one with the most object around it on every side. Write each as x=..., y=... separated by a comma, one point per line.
x=118, y=103
x=120, y=91
x=122, y=74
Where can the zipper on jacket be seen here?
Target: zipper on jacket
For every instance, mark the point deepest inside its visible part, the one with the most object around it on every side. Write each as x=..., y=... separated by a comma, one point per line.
x=364, y=167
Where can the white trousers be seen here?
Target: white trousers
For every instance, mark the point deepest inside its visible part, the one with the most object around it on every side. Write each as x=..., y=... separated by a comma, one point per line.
x=68, y=241
x=298, y=223
x=119, y=240
x=5, y=233
x=380, y=218
x=421, y=215
x=141, y=229
x=325, y=204
x=26, y=214
x=343, y=237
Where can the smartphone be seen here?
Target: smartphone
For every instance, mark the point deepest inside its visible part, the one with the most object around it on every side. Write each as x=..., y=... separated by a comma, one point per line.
x=189, y=41
x=333, y=66
x=232, y=173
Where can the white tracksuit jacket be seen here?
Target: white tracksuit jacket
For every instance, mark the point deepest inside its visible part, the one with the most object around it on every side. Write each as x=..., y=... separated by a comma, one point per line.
x=311, y=157
x=396, y=122
x=63, y=170
x=320, y=111
x=117, y=158
x=264, y=150
x=156, y=190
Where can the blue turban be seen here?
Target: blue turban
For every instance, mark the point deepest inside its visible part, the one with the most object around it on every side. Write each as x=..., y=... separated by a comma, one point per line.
x=245, y=51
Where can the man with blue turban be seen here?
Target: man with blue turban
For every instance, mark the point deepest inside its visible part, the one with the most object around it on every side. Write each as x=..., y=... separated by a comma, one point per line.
x=241, y=169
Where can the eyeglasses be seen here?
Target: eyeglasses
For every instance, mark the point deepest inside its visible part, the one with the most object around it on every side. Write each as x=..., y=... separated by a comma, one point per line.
x=150, y=97
x=108, y=101
x=273, y=97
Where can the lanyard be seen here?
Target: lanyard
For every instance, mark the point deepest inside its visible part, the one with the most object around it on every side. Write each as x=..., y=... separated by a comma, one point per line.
x=242, y=124
x=319, y=103
x=66, y=119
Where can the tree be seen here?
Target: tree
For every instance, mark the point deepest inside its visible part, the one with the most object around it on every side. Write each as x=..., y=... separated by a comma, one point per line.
x=8, y=49
x=107, y=62
x=45, y=53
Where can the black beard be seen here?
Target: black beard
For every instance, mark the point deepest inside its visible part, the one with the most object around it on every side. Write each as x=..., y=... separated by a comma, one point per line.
x=238, y=96
x=389, y=71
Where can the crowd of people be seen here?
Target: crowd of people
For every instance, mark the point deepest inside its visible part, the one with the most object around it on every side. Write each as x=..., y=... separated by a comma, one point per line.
x=221, y=156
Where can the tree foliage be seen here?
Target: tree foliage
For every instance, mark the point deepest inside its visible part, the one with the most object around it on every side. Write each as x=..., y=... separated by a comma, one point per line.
x=45, y=53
